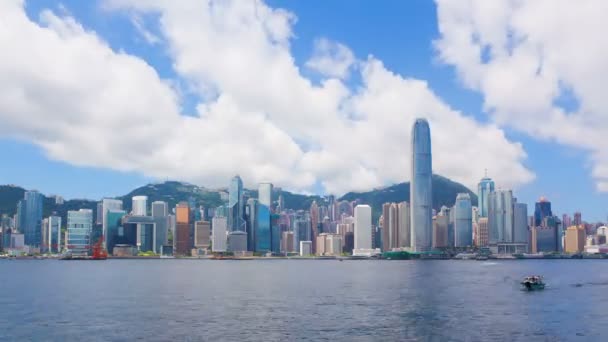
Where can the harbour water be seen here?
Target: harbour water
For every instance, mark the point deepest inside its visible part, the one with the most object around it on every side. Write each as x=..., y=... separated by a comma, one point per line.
x=301, y=300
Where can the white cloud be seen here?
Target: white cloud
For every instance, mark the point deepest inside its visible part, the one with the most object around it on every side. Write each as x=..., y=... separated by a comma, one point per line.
x=140, y=26
x=523, y=56
x=331, y=59
x=64, y=89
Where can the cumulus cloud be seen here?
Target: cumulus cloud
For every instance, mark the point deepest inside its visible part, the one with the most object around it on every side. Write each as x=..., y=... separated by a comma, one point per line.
x=331, y=58
x=63, y=88
x=526, y=57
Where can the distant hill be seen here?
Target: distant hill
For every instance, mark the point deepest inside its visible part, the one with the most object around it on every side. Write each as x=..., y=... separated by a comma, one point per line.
x=444, y=193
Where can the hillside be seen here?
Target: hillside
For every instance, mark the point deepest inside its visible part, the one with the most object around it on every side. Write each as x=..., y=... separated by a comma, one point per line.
x=444, y=193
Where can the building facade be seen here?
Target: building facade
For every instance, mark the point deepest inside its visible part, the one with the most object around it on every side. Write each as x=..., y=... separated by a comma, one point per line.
x=80, y=226
x=463, y=223
x=421, y=191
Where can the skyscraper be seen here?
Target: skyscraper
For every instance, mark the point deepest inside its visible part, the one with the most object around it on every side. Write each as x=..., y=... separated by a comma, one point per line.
x=500, y=216
x=140, y=205
x=30, y=218
x=484, y=188
x=219, y=237
x=235, y=205
x=463, y=223
x=181, y=238
x=520, y=223
x=263, y=226
x=54, y=231
x=363, y=227
x=80, y=226
x=314, y=223
x=404, y=224
x=160, y=209
x=421, y=192
x=542, y=209
x=385, y=224
x=108, y=204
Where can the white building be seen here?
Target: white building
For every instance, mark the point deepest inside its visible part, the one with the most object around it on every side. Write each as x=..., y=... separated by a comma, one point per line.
x=140, y=205
x=305, y=248
x=363, y=231
x=219, y=225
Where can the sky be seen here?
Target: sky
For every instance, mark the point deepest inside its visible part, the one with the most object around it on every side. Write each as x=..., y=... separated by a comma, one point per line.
x=100, y=97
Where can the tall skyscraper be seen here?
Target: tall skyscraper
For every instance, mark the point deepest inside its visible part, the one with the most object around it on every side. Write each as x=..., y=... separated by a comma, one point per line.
x=463, y=223
x=263, y=226
x=235, y=205
x=80, y=226
x=54, y=231
x=252, y=219
x=181, y=238
x=385, y=224
x=500, y=216
x=484, y=188
x=421, y=191
x=202, y=233
x=404, y=224
x=578, y=219
x=219, y=236
x=542, y=209
x=140, y=205
x=30, y=218
x=108, y=204
x=520, y=223
x=314, y=223
x=363, y=227
x=481, y=236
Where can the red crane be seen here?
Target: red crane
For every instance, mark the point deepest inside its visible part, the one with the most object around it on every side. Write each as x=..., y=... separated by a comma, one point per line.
x=99, y=253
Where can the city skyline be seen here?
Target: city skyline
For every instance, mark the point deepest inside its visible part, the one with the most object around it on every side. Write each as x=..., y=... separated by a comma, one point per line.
x=309, y=156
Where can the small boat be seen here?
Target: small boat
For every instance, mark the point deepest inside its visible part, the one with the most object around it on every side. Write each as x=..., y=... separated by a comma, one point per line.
x=533, y=283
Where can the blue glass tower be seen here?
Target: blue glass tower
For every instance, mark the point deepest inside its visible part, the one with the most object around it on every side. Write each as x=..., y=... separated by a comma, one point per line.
x=262, y=234
x=484, y=188
x=463, y=222
x=235, y=205
x=30, y=218
x=421, y=188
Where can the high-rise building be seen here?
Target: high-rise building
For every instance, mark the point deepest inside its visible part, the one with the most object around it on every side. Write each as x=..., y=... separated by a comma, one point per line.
x=263, y=226
x=314, y=223
x=236, y=241
x=566, y=220
x=404, y=224
x=520, y=223
x=202, y=233
x=288, y=242
x=160, y=209
x=421, y=191
x=114, y=228
x=484, y=188
x=463, y=224
x=481, y=236
x=542, y=210
x=219, y=227
x=500, y=216
x=140, y=206
x=252, y=218
x=30, y=218
x=394, y=225
x=440, y=230
x=108, y=204
x=363, y=227
x=575, y=239
x=236, y=205
x=305, y=248
x=99, y=214
x=80, y=226
x=384, y=222
x=181, y=238
x=54, y=238
x=578, y=219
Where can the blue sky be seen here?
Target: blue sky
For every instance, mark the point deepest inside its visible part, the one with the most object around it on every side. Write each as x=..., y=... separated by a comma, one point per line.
x=401, y=34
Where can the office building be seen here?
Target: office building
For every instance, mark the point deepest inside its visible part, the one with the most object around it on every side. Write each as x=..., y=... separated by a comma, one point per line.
x=520, y=223
x=236, y=241
x=30, y=218
x=288, y=242
x=441, y=223
x=54, y=231
x=236, y=205
x=263, y=226
x=115, y=231
x=181, y=237
x=219, y=226
x=305, y=248
x=108, y=204
x=500, y=216
x=404, y=224
x=202, y=234
x=463, y=223
x=363, y=229
x=251, y=213
x=314, y=223
x=80, y=226
x=484, y=188
x=575, y=239
x=160, y=209
x=140, y=206
x=421, y=191
x=384, y=223
x=542, y=209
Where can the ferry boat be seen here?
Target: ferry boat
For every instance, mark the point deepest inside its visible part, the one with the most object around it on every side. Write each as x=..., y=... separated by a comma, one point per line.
x=533, y=283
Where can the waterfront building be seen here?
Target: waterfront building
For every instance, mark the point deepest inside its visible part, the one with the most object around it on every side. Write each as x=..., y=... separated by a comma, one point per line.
x=314, y=223
x=421, y=191
x=139, y=206
x=481, y=235
x=145, y=233
x=263, y=228
x=115, y=231
x=463, y=224
x=520, y=223
x=305, y=248
x=236, y=205
x=329, y=244
x=99, y=214
x=363, y=231
x=54, y=231
x=440, y=231
x=108, y=204
x=181, y=237
x=251, y=213
x=160, y=209
x=236, y=241
x=384, y=223
x=80, y=226
x=30, y=218
x=202, y=233
x=484, y=188
x=288, y=242
x=542, y=209
x=575, y=239
x=500, y=216
x=219, y=226
x=404, y=224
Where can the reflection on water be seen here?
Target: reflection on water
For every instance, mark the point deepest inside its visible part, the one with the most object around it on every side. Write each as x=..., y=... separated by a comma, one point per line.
x=192, y=300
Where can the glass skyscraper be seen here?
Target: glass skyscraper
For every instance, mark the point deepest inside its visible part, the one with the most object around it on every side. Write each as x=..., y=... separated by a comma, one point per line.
x=484, y=188
x=421, y=191
x=262, y=234
x=30, y=218
x=463, y=223
x=80, y=226
x=500, y=216
x=235, y=205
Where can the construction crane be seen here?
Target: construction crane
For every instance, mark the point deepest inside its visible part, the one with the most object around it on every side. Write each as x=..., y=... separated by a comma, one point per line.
x=99, y=253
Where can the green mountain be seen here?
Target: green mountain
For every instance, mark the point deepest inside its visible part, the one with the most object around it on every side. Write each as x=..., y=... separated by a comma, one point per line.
x=444, y=193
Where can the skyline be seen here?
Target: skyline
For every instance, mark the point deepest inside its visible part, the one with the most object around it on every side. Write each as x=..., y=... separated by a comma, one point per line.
x=412, y=71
